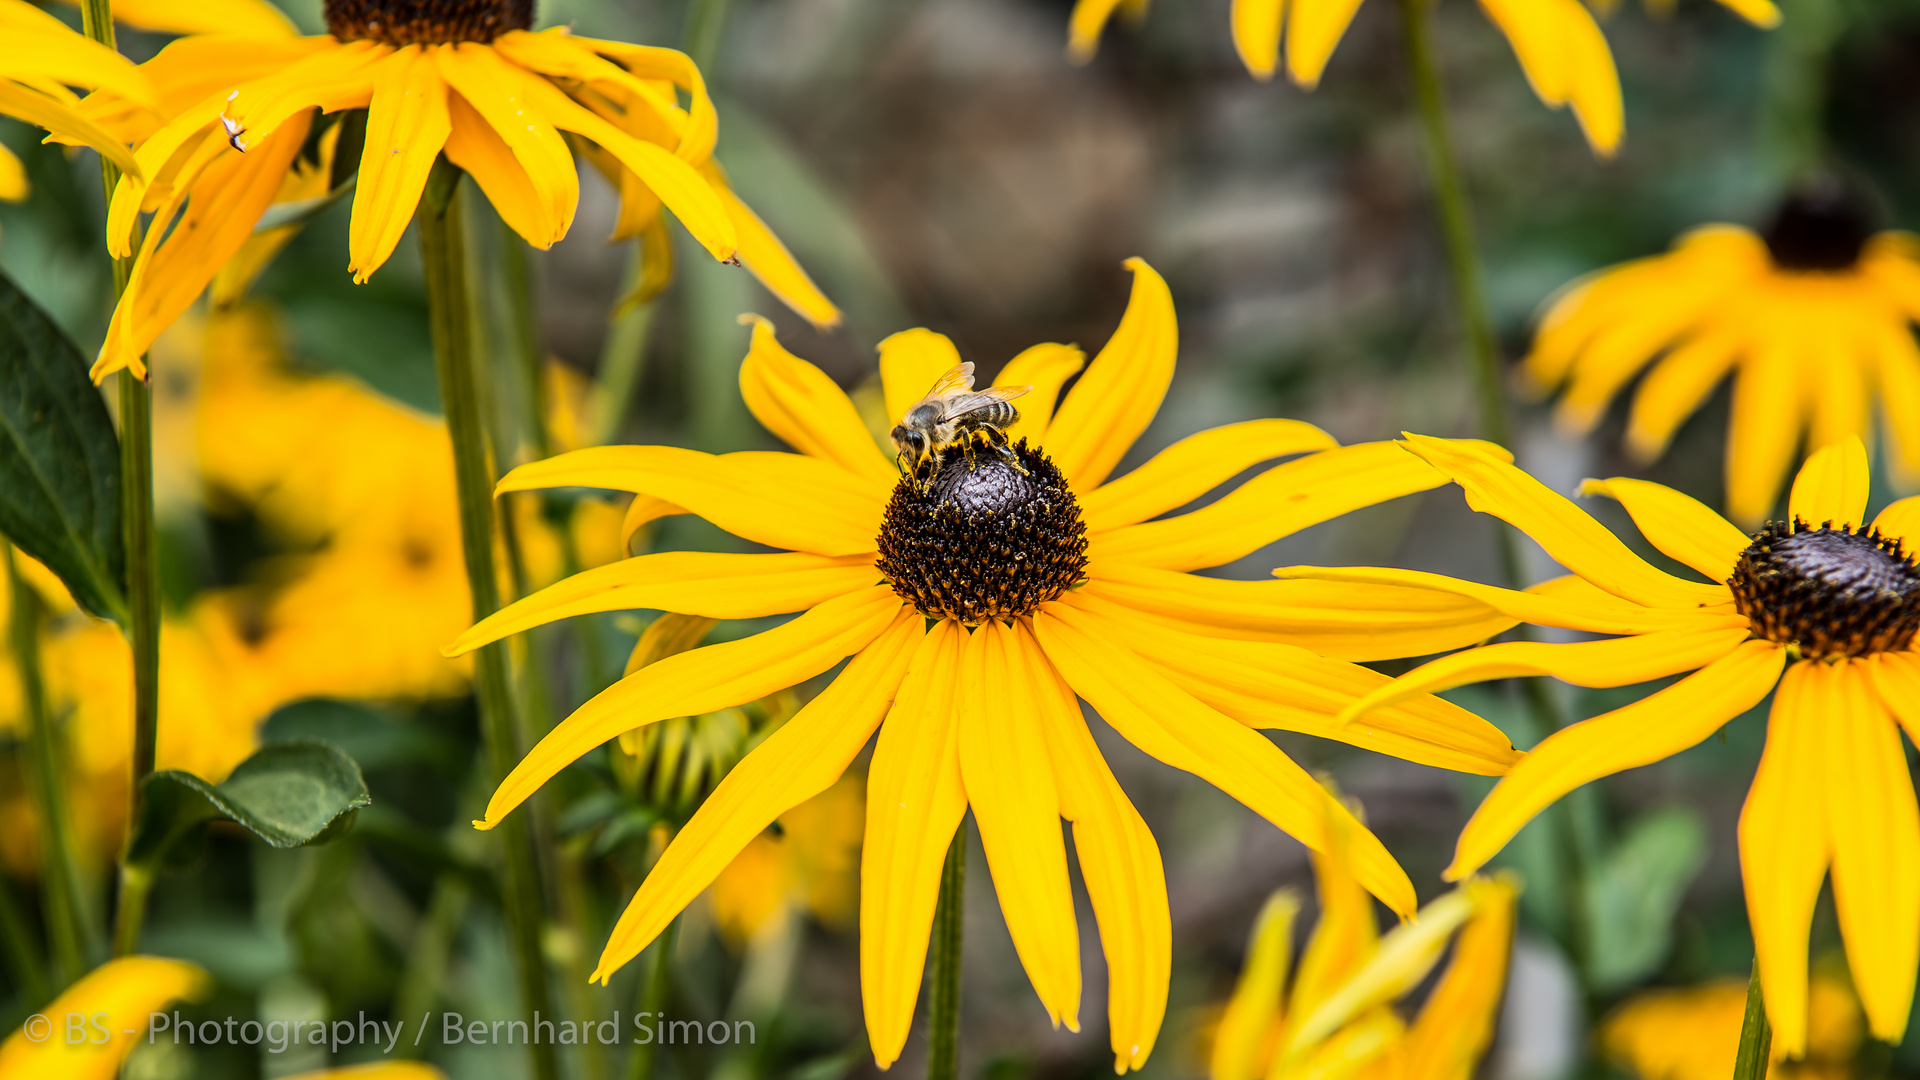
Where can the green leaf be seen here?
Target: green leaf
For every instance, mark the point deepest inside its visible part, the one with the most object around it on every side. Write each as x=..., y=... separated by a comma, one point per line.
x=59, y=458
x=289, y=794
x=1634, y=893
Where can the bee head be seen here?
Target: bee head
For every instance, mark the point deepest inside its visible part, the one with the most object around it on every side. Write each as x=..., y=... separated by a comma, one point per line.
x=910, y=442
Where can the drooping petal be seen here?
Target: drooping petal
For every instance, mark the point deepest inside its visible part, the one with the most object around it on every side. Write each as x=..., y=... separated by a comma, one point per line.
x=1456, y=1023
x=47, y=52
x=1314, y=27
x=1832, y=485
x=475, y=146
x=1573, y=538
x=1194, y=466
x=670, y=66
x=710, y=584
x=129, y=988
x=1271, y=685
x=1546, y=604
x=1009, y=780
x=1678, y=524
x=769, y=260
x=407, y=124
x=1256, y=37
x=1675, y=388
x=1566, y=59
x=1785, y=849
x=808, y=411
x=910, y=362
x=496, y=90
x=1277, y=503
x=34, y=107
x=1620, y=661
x=802, y=758
x=1896, y=360
x=1121, y=390
x=915, y=802
x=1767, y=417
x=1655, y=727
x=1346, y=934
x=781, y=500
x=1084, y=25
x=1255, y=1007
x=1342, y=620
x=1169, y=724
x=1119, y=861
x=1873, y=827
x=1404, y=957
x=701, y=681
x=1896, y=676
x=1046, y=368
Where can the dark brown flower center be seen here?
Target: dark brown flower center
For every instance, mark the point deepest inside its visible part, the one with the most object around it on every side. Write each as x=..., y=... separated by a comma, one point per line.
x=1830, y=592
x=426, y=22
x=976, y=539
x=1822, y=226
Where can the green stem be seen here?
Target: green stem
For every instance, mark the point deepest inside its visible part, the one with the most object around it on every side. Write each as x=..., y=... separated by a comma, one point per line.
x=443, y=256
x=1756, y=1035
x=143, y=563
x=63, y=896
x=653, y=998
x=706, y=20
x=943, y=963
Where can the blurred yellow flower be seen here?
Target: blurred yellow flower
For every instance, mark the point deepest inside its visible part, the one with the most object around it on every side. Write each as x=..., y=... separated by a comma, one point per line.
x=1821, y=613
x=1336, y=1018
x=466, y=78
x=39, y=59
x=1815, y=316
x=1083, y=595
x=131, y=986
x=1692, y=1032
x=809, y=860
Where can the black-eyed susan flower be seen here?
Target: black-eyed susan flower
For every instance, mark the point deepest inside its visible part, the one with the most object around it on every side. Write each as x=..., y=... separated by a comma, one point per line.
x=469, y=80
x=1693, y=1032
x=1813, y=316
x=1335, y=1017
x=979, y=603
x=1819, y=611
x=123, y=989
x=40, y=59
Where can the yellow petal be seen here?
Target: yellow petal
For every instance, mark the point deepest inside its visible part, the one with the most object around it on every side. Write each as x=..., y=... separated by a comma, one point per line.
x=1620, y=661
x=497, y=91
x=807, y=410
x=781, y=500
x=1119, y=862
x=1655, y=727
x=1279, y=502
x=1785, y=848
x=1313, y=30
x=1678, y=524
x=1832, y=486
x=1194, y=466
x=1896, y=676
x=1115, y=400
x=1571, y=537
x=1254, y=1008
x=1009, y=780
x=644, y=510
x=915, y=802
x=1767, y=417
x=802, y=758
x=1456, y=1023
x=1546, y=604
x=1674, y=389
x=1169, y=724
x=126, y=990
x=910, y=362
x=769, y=260
x=1566, y=59
x=1345, y=936
x=1901, y=520
x=1083, y=27
x=34, y=107
x=1343, y=620
x=58, y=56
x=709, y=584
x=407, y=124
x=1256, y=37
x=13, y=177
x=1403, y=959
x=248, y=18
x=701, y=681
x=1873, y=826
x=1896, y=361
x=1761, y=13
x=1836, y=375
x=475, y=146
x=1046, y=368
x=1270, y=685
x=338, y=77
x=647, y=62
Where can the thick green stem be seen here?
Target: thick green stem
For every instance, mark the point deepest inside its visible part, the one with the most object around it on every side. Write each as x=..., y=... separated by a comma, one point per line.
x=443, y=256
x=1756, y=1035
x=135, y=883
x=943, y=963
x=64, y=898
x=706, y=20
x=653, y=999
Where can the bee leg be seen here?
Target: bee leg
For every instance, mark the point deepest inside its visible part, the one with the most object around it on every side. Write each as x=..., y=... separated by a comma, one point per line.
x=1007, y=455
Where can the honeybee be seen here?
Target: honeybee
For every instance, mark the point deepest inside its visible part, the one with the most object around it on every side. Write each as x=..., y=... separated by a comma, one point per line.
x=951, y=414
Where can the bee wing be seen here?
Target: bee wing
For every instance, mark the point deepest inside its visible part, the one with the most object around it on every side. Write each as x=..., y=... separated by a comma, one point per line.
x=957, y=381
x=966, y=403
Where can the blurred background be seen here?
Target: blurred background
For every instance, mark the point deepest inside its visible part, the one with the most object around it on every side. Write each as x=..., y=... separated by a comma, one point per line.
x=933, y=163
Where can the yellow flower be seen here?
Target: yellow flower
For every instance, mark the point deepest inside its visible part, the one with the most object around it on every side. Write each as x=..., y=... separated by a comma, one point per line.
x=469, y=79
x=1337, y=1017
x=811, y=863
x=1693, y=1032
x=39, y=60
x=1816, y=315
x=1052, y=583
x=124, y=989
x=1825, y=607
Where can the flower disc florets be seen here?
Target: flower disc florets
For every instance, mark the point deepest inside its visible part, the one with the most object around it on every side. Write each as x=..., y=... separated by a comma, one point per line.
x=1820, y=227
x=1831, y=592
x=973, y=539
x=426, y=22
